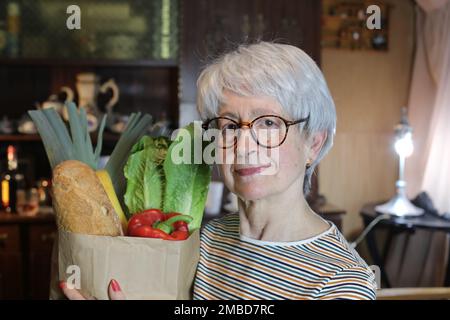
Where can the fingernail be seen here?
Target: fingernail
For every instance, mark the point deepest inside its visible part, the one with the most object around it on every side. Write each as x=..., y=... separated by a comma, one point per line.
x=62, y=284
x=115, y=285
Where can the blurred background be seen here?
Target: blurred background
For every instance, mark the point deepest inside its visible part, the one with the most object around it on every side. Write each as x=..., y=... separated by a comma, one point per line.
x=387, y=64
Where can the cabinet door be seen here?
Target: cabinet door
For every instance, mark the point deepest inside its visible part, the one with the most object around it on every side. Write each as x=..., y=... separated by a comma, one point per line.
x=41, y=239
x=210, y=27
x=10, y=263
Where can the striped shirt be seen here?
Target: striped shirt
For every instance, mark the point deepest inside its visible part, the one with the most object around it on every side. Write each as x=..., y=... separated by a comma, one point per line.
x=233, y=266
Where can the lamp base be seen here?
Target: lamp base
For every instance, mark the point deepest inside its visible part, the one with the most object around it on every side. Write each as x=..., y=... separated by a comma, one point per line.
x=400, y=206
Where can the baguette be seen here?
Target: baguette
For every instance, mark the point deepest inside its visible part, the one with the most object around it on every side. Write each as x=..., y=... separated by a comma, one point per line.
x=80, y=201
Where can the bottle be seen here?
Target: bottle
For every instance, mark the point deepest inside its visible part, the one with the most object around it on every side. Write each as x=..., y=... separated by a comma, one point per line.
x=13, y=29
x=3, y=38
x=12, y=182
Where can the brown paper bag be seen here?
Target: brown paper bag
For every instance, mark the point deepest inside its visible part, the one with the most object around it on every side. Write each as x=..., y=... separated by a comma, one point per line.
x=145, y=268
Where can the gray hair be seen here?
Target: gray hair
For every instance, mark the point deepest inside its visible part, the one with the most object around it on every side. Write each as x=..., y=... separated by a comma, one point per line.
x=280, y=71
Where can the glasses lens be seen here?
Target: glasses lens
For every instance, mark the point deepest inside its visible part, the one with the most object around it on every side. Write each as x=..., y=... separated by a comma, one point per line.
x=269, y=131
x=227, y=131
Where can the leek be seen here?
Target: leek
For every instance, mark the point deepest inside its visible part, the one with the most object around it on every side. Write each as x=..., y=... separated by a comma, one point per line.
x=60, y=145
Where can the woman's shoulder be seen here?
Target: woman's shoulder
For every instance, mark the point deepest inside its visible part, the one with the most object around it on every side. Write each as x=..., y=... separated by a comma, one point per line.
x=351, y=283
x=338, y=248
x=343, y=273
x=351, y=278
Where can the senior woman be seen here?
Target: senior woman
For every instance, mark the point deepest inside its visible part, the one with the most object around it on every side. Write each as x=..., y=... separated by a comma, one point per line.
x=275, y=246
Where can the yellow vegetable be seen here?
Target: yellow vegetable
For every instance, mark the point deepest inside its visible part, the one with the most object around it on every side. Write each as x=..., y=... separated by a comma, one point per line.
x=105, y=179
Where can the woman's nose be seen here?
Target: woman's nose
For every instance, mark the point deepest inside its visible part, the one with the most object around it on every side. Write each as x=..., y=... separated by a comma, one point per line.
x=245, y=144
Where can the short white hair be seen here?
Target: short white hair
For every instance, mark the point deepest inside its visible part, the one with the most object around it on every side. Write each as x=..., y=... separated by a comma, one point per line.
x=281, y=71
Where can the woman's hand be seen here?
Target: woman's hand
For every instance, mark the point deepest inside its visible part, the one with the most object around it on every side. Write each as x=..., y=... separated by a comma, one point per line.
x=114, y=291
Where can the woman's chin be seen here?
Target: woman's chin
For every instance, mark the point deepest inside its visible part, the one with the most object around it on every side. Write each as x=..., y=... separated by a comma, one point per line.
x=252, y=191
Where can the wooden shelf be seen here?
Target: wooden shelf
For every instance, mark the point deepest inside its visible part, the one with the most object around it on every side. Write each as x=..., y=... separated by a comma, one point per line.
x=19, y=137
x=6, y=217
x=88, y=62
x=107, y=136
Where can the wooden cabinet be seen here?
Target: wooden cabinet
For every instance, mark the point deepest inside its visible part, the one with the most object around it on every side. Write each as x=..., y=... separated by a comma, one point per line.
x=25, y=252
x=41, y=238
x=10, y=262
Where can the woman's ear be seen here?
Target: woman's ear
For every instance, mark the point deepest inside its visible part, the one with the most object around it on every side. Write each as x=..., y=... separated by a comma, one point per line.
x=316, y=144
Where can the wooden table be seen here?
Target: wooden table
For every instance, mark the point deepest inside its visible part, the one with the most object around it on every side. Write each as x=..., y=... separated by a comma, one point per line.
x=396, y=225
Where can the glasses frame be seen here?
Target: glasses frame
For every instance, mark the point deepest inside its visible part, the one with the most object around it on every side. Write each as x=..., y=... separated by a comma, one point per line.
x=249, y=125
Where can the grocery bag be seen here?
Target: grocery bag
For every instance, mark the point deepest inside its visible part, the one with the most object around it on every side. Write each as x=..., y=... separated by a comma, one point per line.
x=146, y=268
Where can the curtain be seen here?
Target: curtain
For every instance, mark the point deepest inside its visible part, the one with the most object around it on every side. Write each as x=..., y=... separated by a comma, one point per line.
x=429, y=105
x=420, y=259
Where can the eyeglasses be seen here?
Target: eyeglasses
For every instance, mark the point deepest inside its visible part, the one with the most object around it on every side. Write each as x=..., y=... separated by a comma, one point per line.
x=268, y=131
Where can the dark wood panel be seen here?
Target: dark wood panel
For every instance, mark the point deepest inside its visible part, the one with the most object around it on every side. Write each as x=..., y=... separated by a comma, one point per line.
x=9, y=238
x=10, y=262
x=41, y=239
x=225, y=24
x=22, y=86
x=11, y=276
x=25, y=255
x=39, y=281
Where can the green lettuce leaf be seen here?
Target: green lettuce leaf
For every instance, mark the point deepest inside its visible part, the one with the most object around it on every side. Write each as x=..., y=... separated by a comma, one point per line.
x=186, y=187
x=144, y=174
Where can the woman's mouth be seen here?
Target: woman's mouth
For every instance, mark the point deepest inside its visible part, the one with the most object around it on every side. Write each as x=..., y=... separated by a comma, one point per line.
x=248, y=171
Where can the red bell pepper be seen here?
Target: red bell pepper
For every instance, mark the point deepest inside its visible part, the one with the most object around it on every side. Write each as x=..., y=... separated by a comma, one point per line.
x=153, y=223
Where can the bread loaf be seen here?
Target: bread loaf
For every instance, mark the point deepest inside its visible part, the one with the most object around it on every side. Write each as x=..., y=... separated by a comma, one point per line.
x=81, y=203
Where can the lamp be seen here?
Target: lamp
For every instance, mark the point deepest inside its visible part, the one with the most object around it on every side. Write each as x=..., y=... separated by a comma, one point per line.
x=400, y=205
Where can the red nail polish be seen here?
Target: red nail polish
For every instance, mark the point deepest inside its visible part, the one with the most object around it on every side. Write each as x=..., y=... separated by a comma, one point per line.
x=62, y=284
x=115, y=285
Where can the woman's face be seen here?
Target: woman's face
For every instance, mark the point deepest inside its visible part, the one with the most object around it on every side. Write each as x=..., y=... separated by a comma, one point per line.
x=254, y=172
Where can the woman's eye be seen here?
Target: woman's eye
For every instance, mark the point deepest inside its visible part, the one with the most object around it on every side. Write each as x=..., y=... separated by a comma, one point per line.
x=269, y=123
x=230, y=126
